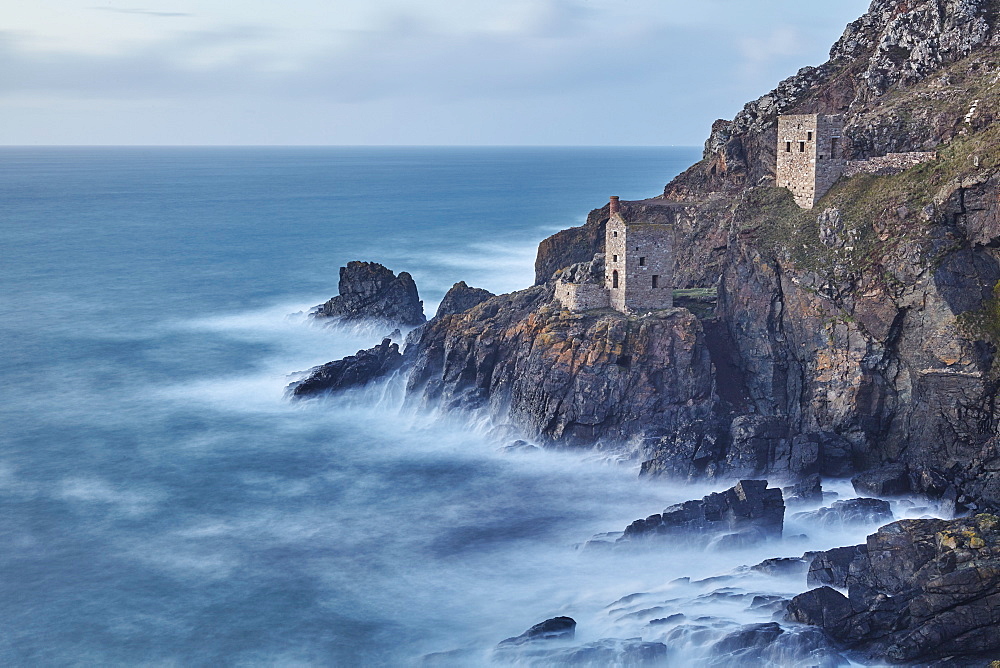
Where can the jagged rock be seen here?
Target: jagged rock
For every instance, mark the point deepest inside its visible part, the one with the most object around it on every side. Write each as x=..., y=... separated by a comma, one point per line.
x=832, y=567
x=557, y=628
x=748, y=512
x=825, y=607
x=352, y=371
x=460, y=298
x=890, y=480
x=925, y=590
x=849, y=511
x=584, y=272
x=808, y=490
x=370, y=290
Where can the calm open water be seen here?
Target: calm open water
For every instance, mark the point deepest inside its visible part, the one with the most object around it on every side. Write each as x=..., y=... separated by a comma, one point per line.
x=162, y=504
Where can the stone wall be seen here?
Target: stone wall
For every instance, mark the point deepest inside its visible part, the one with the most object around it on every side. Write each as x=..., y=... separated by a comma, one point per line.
x=893, y=163
x=809, y=158
x=581, y=296
x=614, y=261
x=648, y=267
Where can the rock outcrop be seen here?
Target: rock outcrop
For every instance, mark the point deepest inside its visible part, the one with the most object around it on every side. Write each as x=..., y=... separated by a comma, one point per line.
x=568, y=378
x=369, y=290
x=460, y=298
x=918, y=591
x=742, y=515
x=353, y=371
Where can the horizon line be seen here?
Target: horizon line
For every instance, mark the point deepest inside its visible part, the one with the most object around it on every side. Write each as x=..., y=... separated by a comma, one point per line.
x=2, y=146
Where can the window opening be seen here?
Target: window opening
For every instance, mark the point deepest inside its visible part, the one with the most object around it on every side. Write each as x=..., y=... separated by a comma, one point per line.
x=802, y=147
x=656, y=281
x=642, y=262
x=788, y=147
x=614, y=279
x=809, y=136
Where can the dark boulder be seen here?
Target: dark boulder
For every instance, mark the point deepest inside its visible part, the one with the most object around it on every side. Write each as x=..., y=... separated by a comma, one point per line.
x=890, y=480
x=557, y=628
x=369, y=290
x=848, y=511
x=824, y=607
x=782, y=566
x=807, y=490
x=832, y=567
x=748, y=641
x=352, y=371
x=749, y=512
x=460, y=298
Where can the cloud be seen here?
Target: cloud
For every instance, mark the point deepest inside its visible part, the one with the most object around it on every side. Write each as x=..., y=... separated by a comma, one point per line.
x=145, y=12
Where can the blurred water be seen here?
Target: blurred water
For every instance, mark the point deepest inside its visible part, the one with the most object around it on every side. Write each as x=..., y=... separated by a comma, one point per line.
x=164, y=505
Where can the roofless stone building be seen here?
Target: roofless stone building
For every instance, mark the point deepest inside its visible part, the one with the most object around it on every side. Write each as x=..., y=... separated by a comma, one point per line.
x=810, y=155
x=638, y=267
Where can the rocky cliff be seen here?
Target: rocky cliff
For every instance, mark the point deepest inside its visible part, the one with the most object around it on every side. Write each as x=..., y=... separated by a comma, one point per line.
x=566, y=378
x=859, y=333
x=863, y=331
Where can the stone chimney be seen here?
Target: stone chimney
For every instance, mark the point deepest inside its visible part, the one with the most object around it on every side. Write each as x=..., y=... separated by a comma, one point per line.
x=614, y=206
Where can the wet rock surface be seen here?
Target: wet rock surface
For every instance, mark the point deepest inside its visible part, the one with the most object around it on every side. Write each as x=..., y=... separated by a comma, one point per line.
x=355, y=370
x=369, y=290
x=922, y=590
x=849, y=511
x=746, y=513
x=557, y=628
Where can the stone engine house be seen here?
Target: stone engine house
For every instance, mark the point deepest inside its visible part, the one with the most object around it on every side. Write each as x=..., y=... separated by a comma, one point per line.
x=638, y=267
x=810, y=155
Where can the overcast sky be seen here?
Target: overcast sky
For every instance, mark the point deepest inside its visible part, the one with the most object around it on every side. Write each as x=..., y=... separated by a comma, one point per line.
x=555, y=72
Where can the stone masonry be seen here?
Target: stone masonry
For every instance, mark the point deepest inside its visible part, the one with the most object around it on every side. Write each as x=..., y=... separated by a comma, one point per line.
x=581, y=296
x=638, y=266
x=810, y=158
x=638, y=263
x=892, y=163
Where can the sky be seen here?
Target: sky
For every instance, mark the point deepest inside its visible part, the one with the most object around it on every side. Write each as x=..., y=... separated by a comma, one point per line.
x=394, y=72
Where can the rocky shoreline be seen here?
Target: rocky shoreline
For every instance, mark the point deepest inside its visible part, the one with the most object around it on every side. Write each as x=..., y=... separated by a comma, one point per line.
x=855, y=339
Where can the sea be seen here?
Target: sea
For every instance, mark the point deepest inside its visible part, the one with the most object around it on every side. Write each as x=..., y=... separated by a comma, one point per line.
x=164, y=503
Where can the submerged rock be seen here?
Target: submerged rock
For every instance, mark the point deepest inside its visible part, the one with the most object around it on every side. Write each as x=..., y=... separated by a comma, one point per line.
x=849, y=511
x=557, y=628
x=744, y=514
x=370, y=290
x=355, y=370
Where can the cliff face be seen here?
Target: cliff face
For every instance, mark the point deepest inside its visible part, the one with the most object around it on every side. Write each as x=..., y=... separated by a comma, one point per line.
x=565, y=378
x=861, y=332
x=870, y=319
